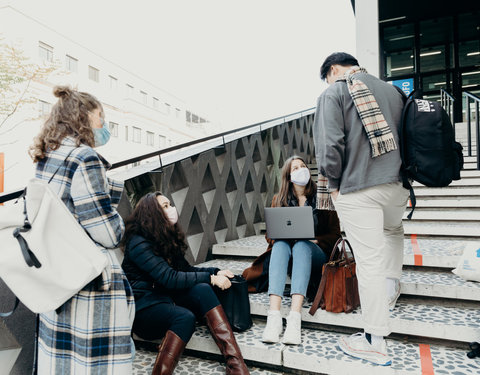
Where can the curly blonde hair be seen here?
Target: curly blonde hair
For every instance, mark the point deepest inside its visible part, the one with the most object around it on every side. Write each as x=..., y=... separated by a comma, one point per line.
x=69, y=117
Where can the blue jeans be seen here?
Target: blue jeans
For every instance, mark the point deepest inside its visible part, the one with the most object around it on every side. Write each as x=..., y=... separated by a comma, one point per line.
x=306, y=257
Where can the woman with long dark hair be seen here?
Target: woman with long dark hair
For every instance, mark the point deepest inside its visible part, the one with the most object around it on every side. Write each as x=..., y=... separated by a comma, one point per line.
x=170, y=294
x=305, y=256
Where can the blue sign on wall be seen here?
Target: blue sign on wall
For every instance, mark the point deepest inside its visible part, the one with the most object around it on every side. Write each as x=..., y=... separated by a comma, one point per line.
x=405, y=84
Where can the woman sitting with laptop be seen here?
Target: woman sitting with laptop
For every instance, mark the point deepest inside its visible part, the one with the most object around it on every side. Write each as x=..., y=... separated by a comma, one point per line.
x=306, y=257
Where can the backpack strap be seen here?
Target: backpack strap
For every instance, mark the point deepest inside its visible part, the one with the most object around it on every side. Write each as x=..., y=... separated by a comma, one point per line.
x=404, y=169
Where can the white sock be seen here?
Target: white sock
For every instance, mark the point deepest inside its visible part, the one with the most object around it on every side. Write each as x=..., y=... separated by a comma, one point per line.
x=390, y=287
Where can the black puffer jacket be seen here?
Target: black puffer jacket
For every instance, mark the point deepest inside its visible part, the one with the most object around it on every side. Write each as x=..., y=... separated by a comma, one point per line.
x=152, y=279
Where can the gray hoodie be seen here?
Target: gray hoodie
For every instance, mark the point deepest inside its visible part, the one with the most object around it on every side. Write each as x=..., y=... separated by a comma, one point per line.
x=342, y=148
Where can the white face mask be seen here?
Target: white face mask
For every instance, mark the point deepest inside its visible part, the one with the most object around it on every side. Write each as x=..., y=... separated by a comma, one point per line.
x=300, y=176
x=172, y=215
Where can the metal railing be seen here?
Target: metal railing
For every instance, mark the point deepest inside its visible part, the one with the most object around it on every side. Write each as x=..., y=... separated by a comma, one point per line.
x=221, y=139
x=471, y=98
x=448, y=101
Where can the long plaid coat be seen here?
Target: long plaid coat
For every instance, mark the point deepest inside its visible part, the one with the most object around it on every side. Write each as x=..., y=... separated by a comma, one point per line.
x=90, y=333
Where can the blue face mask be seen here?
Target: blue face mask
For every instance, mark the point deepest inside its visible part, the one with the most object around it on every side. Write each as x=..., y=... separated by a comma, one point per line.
x=102, y=135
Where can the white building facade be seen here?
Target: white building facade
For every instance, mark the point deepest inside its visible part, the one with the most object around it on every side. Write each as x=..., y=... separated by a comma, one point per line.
x=142, y=117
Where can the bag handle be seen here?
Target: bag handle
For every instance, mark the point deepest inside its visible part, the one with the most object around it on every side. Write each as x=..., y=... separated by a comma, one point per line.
x=7, y=314
x=320, y=290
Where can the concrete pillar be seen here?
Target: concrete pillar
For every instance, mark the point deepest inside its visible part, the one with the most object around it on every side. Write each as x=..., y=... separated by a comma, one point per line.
x=367, y=31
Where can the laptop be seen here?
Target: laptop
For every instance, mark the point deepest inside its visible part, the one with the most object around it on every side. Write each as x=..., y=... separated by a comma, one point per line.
x=293, y=223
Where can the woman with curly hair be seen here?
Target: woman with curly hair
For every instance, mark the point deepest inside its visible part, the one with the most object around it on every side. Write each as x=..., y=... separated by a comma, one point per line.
x=170, y=294
x=90, y=333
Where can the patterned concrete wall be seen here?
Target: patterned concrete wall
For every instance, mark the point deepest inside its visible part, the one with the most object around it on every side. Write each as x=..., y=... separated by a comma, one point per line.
x=220, y=194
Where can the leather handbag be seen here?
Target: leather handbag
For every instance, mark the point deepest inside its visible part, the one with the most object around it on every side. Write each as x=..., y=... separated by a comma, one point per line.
x=236, y=304
x=338, y=289
x=46, y=256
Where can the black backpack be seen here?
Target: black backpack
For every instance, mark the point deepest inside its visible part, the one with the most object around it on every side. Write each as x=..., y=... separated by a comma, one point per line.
x=430, y=154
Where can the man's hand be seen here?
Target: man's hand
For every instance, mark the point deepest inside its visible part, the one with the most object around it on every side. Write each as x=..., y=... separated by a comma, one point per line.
x=334, y=194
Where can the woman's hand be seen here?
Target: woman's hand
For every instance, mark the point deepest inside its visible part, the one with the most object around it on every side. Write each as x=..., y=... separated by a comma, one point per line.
x=227, y=273
x=223, y=282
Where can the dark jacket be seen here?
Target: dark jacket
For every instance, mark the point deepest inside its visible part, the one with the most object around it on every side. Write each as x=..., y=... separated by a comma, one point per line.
x=327, y=232
x=152, y=278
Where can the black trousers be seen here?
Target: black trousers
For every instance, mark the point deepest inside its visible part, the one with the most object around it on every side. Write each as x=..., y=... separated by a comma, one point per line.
x=154, y=321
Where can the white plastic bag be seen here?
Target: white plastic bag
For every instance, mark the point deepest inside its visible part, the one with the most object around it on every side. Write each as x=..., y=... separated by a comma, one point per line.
x=468, y=266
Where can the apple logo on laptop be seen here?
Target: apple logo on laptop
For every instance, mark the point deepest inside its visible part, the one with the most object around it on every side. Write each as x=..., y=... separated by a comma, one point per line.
x=289, y=222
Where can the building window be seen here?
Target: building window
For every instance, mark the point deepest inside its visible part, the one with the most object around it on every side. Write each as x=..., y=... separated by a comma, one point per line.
x=162, y=141
x=188, y=116
x=167, y=108
x=155, y=103
x=45, y=52
x=113, y=82
x=71, y=64
x=93, y=73
x=137, y=135
x=126, y=133
x=44, y=108
x=129, y=91
x=143, y=95
x=150, y=136
x=113, y=129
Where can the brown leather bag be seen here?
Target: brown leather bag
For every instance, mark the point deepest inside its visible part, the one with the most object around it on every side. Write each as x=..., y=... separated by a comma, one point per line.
x=338, y=289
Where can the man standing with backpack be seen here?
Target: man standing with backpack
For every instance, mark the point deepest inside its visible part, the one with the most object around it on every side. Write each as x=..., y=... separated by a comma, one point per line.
x=357, y=149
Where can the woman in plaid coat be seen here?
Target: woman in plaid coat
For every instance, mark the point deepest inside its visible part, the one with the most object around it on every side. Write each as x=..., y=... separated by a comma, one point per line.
x=90, y=333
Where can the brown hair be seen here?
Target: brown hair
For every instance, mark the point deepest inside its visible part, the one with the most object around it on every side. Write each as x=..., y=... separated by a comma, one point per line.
x=69, y=117
x=149, y=221
x=286, y=188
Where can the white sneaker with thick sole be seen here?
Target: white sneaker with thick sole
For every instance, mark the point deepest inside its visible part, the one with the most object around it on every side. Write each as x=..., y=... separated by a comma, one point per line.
x=358, y=346
x=274, y=327
x=293, y=334
x=392, y=299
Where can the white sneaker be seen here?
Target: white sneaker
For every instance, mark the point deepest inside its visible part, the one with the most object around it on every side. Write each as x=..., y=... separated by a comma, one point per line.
x=357, y=346
x=392, y=299
x=274, y=327
x=293, y=334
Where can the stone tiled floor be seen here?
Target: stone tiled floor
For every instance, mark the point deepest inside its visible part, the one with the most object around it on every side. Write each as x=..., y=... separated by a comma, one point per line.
x=188, y=365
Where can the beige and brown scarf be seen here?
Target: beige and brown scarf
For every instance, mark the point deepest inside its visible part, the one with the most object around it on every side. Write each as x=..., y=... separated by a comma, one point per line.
x=378, y=131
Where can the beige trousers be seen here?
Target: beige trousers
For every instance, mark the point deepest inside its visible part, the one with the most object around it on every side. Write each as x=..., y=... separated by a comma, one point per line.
x=372, y=220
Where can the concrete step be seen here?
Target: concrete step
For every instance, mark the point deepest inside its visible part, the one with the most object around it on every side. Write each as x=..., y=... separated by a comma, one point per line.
x=468, y=229
x=416, y=282
x=470, y=174
x=320, y=354
x=470, y=165
x=455, y=191
x=444, y=215
x=447, y=202
x=188, y=365
x=470, y=181
x=417, y=251
x=411, y=317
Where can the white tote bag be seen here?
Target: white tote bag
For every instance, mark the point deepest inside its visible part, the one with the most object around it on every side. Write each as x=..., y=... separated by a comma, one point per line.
x=46, y=256
x=468, y=266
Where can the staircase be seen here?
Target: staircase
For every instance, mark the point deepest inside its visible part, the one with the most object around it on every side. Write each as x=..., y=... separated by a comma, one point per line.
x=436, y=316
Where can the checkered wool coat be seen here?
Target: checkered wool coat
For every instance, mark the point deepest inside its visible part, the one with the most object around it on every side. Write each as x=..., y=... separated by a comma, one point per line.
x=90, y=333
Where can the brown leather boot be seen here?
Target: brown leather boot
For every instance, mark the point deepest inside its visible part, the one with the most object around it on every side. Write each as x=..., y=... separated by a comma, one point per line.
x=169, y=351
x=222, y=334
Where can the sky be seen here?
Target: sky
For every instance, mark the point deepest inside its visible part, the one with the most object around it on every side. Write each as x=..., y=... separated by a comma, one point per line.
x=238, y=62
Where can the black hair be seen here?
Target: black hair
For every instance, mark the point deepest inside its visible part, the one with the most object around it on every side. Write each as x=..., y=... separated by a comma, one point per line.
x=337, y=58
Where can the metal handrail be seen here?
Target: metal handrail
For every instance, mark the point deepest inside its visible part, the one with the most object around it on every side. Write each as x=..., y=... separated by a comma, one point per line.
x=4, y=197
x=474, y=98
x=447, y=101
